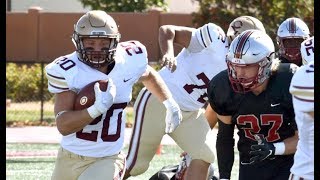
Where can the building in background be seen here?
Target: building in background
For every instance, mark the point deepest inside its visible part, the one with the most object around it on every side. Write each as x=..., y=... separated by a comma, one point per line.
x=175, y=6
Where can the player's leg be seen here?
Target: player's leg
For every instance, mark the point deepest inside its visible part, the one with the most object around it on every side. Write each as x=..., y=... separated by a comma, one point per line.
x=68, y=165
x=111, y=167
x=149, y=128
x=195, y=137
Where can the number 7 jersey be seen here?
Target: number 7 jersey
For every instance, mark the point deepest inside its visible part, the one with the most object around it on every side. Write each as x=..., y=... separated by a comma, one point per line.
x=104, y=136
x=196, y=65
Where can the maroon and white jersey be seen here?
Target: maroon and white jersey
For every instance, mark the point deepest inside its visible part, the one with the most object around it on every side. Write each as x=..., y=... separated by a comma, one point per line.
x=196, y=65
x=307, y=50
x=105, y=135
x=302, y=90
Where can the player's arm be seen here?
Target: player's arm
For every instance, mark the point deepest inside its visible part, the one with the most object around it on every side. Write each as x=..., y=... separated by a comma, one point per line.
x=290, y=144
x=224, y=146
x=155, y=84
x=168, y=35
x=211, y=116
x=67, y=120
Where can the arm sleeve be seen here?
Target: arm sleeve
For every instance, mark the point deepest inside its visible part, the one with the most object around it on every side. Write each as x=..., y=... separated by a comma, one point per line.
x=225, y=152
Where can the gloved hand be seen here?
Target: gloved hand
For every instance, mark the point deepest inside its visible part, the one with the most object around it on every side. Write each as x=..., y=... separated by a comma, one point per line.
x=169, y=61
x=262, y=150
x=173, y=115
x=104, y=99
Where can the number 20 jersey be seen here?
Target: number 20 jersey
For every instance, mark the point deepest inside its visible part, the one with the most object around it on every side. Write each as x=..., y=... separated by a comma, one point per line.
x=188, y=83
x=105, y=135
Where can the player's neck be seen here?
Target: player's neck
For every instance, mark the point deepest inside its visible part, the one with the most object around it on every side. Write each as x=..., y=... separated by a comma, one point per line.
x=258, y=90
x=103, y=69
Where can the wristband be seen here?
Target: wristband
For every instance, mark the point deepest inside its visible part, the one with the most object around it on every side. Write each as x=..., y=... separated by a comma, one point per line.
x=169, y=102
x=280, y=148
x=93, y=112
x=59, y=114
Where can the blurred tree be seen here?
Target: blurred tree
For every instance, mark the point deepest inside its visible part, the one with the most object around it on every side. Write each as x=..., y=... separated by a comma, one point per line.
x=271, y=12
x=124, y=5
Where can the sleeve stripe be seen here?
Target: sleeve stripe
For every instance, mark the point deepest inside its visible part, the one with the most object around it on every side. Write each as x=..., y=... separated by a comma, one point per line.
x=209, y=33
x=56, y=77
x=58, y=82
x=305, y=100
x=303, y=87
x=61, y=88
x=202, y=38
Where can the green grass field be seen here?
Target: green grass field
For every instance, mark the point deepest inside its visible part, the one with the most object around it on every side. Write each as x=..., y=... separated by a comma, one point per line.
x=36, y=168
x=41, y=168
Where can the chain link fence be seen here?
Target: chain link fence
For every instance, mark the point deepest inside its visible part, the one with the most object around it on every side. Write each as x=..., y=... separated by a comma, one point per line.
x=28, y=100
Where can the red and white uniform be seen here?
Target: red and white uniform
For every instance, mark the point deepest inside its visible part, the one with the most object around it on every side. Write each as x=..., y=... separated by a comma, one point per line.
x=302, y=90
x=105, y=136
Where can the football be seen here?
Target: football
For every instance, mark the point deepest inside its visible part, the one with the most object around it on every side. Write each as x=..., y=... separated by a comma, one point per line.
x=86, y=96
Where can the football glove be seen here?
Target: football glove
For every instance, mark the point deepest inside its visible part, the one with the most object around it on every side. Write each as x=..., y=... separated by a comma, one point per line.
x=262, y=150
x=104, y=99
x=173, y=115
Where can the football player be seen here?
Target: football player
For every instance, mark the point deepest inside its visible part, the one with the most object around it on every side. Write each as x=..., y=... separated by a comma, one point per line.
x=253, y=94
x=302, y=90
x=93, y=138
x=187, y=77
x=290, y=35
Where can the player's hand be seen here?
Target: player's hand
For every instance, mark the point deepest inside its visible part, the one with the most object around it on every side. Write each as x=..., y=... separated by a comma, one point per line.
x=262, y=150
x=169, y=61
x=173, y=115
x=104, y=99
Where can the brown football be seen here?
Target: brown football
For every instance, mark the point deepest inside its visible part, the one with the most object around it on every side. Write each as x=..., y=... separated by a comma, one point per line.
x=86, y=96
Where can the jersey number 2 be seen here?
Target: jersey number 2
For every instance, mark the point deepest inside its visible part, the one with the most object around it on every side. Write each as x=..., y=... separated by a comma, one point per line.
x=252, y=125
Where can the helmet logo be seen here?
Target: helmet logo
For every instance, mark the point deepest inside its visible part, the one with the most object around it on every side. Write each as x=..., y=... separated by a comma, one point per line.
x=98, y=33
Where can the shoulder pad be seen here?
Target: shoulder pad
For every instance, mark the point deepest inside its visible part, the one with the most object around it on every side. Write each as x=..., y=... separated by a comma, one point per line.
x=210, y=33
x=307, y=50
x=134, y=56
x=220, y=94
x=57, y=74
x=302, y=83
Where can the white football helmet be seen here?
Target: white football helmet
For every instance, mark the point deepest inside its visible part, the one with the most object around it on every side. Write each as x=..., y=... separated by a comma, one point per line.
x=291, y=33
x=252, y=48
x=307, y=50
x=96, y=24
x=241, y=24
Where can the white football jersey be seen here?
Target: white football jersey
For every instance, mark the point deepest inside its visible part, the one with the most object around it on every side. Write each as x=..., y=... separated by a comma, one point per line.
x=302, y=90
x=307, y=50
x=196, y=66
x=105, y=135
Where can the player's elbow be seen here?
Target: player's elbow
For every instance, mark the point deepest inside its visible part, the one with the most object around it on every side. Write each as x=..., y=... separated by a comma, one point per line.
x=62, y=128
x=166, y=31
